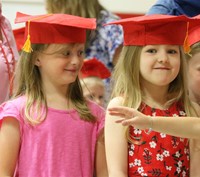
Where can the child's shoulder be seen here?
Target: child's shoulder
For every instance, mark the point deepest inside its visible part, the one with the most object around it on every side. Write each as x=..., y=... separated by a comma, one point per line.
x=95, y=109
x=94, y=106
x=116, y=101
x=17, y=102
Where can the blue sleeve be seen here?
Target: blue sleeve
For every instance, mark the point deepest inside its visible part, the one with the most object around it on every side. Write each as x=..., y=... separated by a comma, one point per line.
x=163, y=7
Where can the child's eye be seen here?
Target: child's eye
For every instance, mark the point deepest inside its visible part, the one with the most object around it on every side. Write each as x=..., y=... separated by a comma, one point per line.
x=67, y=53
x=151, y=50
x=81, y=53
x=101, y=97
x=172, y=51
x=91, y=97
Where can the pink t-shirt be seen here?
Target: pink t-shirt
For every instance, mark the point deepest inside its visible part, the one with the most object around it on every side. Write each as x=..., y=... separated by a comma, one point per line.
x=7, y=44
x=62, y=146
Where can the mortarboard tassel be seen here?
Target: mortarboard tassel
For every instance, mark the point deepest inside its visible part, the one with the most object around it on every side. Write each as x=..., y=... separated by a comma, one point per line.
x=186, y=46
x=27, y=45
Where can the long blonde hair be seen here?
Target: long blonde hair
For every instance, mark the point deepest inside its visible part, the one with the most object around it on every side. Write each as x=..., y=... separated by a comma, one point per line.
x=83, y=8
x=126, y=81
x=28, y=82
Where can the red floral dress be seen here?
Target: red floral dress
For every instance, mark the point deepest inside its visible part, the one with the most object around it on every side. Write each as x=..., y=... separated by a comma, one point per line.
x=158, y=154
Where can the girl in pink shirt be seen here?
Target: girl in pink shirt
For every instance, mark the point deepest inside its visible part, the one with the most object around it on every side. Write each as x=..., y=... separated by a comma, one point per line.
x=49, y=129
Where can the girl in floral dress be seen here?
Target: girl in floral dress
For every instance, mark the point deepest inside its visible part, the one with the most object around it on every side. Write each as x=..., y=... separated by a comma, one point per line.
x=150, y=77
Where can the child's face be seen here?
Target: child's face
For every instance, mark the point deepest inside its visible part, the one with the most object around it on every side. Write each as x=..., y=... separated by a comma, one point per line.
x=159, y=64
x=60, y=64
x=95, y=93
x=194, y=78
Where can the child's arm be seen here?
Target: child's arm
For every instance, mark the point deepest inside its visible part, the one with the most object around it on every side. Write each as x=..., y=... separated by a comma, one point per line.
x=101, y=165
x=187, y=127
x=116, y=144
x=194, y=157
x=9, y=146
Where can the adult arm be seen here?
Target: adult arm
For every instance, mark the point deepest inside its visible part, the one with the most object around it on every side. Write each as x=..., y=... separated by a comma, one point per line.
x=9, y=146
x=116, y=144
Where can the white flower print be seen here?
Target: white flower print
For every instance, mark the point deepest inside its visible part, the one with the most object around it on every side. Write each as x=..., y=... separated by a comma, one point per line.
x=169, y=168
x=163, y=135
x=159, y=157
x=131, y=165
x=131, y=153
x=140, y=170
x=181, y=139
x=180, y=163
x=137, y=162
x=132, y=146
x=177, y=154
x=186, y=151
x=182, y=113
x=154, y=114
x=183, y=173
x=174, y=115
x=178, y=169
x=166, y=153
x=152, y=144
x=143, y=174
x=137, y=131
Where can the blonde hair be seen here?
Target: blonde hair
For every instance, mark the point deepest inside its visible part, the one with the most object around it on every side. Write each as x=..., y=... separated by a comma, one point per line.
x=195, y=48
x=28, y=82
x=126, y=81
x=91, y=81
x=83, y=8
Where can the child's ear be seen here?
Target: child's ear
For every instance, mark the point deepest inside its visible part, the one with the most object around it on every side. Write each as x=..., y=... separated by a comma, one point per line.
x=37, y=62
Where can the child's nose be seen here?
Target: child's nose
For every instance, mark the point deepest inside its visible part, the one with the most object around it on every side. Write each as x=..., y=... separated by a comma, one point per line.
x=163, y=57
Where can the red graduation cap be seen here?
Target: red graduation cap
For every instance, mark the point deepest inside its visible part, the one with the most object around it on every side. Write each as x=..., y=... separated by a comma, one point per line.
x=194, y=31
x=94, y=68
x=54, y=28
x=154, y=29
x=19, y=35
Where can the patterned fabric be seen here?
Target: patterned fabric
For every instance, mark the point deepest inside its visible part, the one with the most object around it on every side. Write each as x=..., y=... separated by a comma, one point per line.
x=159, y=154
x=105, y=39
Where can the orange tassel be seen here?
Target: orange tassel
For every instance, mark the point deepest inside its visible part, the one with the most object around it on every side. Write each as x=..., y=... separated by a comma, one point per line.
x=27, y=45
x=186, y=46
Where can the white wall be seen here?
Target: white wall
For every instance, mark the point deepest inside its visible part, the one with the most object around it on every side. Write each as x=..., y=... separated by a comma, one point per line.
x=10, y=7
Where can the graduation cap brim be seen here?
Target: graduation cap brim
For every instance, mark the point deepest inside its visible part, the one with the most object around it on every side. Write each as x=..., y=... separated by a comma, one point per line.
x=153, y=29
x=55, y=28
x=19, y=35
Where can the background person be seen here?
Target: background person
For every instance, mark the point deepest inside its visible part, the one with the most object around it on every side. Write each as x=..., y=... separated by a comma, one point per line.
x=92, y=73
